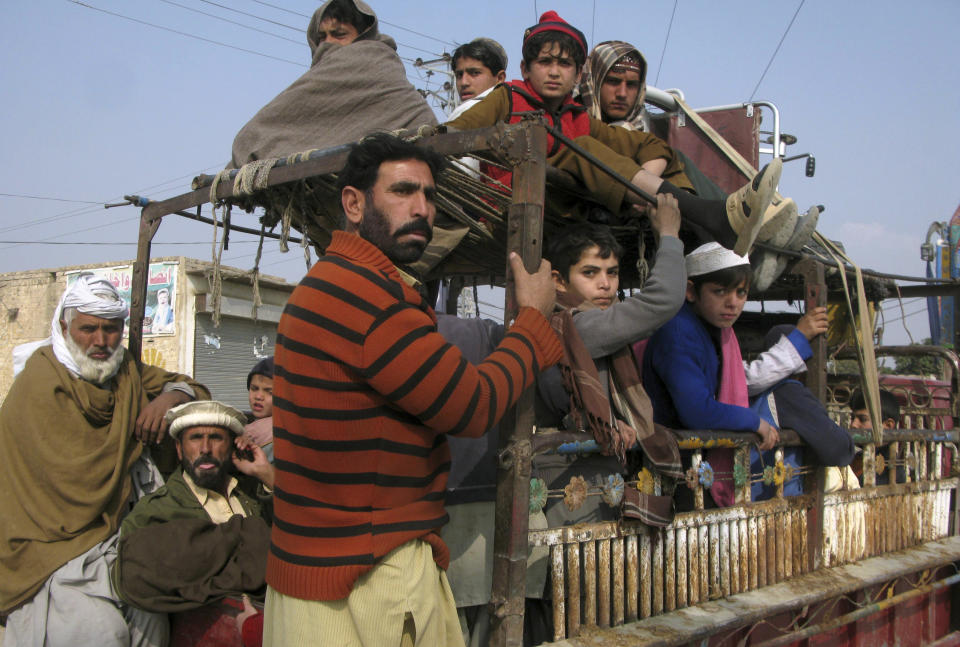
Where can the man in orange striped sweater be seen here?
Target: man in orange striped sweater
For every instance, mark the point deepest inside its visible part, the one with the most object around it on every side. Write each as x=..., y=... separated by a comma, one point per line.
x=365, y=390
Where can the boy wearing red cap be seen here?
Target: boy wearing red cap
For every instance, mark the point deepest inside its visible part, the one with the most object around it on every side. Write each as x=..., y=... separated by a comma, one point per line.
x=554, y=53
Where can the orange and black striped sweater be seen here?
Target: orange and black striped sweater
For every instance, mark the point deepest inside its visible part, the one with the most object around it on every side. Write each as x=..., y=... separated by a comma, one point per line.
x=365, y=390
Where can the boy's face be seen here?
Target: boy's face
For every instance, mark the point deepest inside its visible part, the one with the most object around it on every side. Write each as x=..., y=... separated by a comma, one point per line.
x=618, y=93
x=260, y=394
x=716, y=304
x=473, y=77
x=860, y=419
x=592, y=278
x=553, y=74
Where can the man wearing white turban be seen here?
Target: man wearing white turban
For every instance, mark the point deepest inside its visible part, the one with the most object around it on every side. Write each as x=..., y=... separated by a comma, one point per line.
x=69, y=472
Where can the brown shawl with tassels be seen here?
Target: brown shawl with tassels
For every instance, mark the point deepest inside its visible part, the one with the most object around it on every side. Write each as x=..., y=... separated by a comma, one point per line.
x=620, y=420
x=66, y=448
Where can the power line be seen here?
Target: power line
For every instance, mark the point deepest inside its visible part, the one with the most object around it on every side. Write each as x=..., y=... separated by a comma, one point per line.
x=665, y=41
x=43, y=197
x=782, y=38
x=232, y=22
x=250, y=15
x=188, y=35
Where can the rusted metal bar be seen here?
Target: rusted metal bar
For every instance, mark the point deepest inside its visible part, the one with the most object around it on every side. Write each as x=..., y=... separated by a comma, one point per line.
x=589, y=583
x=603, y=582
x=734, y=543
x=763, y=577
x=682, y=569
x=633, y=579
x=573, y=589
x=646, y=579
x=138, y=285
x=527, y=148
x=786, y=532
x=703, y=540
x=744, y=554
x=774, y=574
x=752, y=562
x=863, y=612
x=656, y=570
x=693, y=572
x=669, y=569
x=557, y=591
x=716, y=590
x=723, y=555
x=619, y=590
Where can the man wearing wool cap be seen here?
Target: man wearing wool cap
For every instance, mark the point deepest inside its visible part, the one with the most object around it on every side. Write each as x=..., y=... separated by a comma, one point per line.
x=203, y=488
x=70, y=466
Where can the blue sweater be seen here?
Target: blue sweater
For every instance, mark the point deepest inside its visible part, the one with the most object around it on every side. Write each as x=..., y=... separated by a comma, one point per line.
x=681, y=366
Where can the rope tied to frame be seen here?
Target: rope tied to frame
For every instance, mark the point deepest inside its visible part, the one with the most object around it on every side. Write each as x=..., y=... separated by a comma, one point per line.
x=216, y=279
x=255, y=276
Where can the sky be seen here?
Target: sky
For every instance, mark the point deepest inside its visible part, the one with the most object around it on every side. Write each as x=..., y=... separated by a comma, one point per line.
x=112, y=97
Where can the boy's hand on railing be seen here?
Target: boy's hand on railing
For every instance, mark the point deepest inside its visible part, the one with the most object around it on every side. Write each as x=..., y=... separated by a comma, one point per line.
x=665, y=217
x=769, y=435
x=814, y=322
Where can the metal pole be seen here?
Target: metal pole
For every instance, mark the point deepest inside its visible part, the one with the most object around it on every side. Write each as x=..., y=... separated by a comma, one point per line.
x=527, y=147
x=138, y=288
x=815, y=295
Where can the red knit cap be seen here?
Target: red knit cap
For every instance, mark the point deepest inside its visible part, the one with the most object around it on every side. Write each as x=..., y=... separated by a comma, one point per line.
x=551, y=21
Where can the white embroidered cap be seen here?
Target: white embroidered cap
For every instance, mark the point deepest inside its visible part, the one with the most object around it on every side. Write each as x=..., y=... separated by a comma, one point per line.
x=712, y=257
x=208, y=413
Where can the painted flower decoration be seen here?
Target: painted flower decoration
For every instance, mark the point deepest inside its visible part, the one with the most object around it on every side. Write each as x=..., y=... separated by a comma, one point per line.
x=768, y=475
x=645, y=481
x=739, y=475
x=778, y=473
x=538, y=495
x=575, y=493
x=692, y=476
x=879, y=464
x=706, y=474
x=612, y=492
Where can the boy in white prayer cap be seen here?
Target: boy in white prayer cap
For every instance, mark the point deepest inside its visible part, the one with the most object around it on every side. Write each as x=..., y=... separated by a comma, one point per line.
x=693, y=369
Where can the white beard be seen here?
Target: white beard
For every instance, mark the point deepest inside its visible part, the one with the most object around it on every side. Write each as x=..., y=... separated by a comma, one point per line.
x=97, y=371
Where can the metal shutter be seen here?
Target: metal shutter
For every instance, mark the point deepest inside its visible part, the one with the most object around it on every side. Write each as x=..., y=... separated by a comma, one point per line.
x=223, y=356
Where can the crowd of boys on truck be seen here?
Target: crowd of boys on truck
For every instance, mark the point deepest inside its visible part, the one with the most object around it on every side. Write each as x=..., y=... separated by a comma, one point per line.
x=325, y=508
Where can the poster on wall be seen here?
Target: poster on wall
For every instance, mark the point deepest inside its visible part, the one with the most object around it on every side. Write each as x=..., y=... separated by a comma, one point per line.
x=161, y=293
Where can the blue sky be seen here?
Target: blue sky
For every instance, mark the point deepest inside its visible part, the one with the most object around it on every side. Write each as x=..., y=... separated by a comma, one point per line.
x=96, y=106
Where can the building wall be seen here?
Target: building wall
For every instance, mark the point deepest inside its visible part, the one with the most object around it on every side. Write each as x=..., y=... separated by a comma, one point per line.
x=28, y=300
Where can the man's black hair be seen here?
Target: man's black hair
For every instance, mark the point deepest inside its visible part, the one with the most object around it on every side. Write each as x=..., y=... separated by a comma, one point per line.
x=363, y=163
x=564, y=249
x=346, y=12
x=568, y=47
x=481, y=50
x=889, y=406
x=728, y=277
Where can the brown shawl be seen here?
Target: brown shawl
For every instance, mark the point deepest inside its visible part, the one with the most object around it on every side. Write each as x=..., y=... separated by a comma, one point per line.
x=348, y=92
x=627, y=422
x=66, y=448
x=187, y=563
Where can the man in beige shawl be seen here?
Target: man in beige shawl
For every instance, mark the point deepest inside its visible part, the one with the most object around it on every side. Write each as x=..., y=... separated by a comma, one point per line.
x=70, y=466
x=356, y=84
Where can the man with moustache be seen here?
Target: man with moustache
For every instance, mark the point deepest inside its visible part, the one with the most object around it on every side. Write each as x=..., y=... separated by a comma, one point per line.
x=365, y=392
x=203, y=487
x=70, y=467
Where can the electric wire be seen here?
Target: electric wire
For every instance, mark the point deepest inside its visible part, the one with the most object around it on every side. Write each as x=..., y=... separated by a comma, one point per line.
x=232, y=22
x=250, y=15
x=44, y=197
x=186, y=34
x=777, y=50
x=665, y=41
